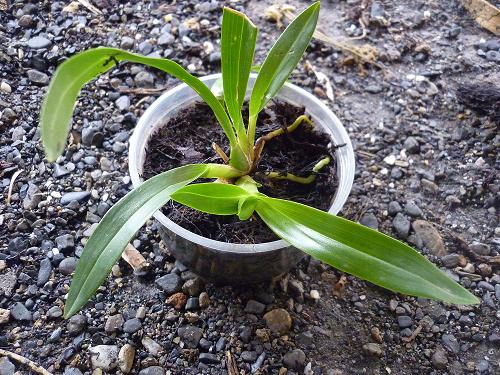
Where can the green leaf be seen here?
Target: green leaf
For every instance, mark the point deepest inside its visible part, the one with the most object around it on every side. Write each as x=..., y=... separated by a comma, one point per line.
x=122, y=221
x=79, y=69
x=237, y=48
x=280, y=61
x=360, y=251
x=212, y=198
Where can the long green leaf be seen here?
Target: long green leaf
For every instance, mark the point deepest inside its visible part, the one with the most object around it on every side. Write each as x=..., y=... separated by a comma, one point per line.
x=212, y=198
x=237, y=48
x=122, y=221
x=360, y=251
x=281, y=60
x=75, y=72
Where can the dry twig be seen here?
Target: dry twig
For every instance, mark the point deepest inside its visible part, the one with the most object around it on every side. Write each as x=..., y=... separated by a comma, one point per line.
x=25, y=361
x=232, y=367
x=89, y=6
x=11, y=185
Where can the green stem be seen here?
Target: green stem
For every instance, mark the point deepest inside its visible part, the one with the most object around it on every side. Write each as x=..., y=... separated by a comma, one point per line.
x=301, y=180
x=252, y=124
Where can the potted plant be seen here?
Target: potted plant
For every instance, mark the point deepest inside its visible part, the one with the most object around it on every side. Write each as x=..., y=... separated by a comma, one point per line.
x=232, y=189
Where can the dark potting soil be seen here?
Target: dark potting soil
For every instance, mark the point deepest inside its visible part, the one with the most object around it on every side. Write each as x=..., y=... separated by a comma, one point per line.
x=187, y=139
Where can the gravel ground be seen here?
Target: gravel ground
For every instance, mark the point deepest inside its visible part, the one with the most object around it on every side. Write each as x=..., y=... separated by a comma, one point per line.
x=426, y=173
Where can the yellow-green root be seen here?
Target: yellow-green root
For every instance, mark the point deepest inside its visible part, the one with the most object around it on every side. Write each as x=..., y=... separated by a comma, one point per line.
x=301, y=180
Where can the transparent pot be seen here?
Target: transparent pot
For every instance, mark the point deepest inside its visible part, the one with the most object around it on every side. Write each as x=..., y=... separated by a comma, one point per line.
x=224, y=262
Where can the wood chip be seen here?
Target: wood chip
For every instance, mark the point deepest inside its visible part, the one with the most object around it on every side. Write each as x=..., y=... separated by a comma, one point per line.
x=486, y=14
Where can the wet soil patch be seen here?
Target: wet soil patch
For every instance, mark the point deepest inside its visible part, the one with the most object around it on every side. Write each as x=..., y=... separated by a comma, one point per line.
x=187, y=139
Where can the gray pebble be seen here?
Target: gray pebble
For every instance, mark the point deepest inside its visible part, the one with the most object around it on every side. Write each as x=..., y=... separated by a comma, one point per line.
x=170, y=283
x=39, y=42
x=402, y=225
x=132, y=325
x=152, y=370
x=67, y=265
x=44, y=272
x=74, y=196
x=254, y=307
x=208, y=358
x=38, y=77
x=294, y=359
x=369, y=220
x=190, y=335
x=19, y=312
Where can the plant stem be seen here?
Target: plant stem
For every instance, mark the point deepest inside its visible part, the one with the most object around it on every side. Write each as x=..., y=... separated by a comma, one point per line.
x=252, y=124
x=223, y=171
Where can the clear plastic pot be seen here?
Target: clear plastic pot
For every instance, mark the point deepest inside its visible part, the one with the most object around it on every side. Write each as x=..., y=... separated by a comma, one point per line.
x=227, y=262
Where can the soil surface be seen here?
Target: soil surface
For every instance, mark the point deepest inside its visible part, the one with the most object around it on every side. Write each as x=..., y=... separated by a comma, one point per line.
x=427, y=173
x=187, y=139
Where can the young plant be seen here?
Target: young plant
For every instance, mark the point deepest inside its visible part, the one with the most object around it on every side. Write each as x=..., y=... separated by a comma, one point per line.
x=343, y=244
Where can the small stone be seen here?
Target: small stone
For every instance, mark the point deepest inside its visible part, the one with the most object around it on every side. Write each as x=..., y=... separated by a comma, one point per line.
x=54, y=312
x=246, y=334
x=178, y=300
x=192, y=304
x=32, y=198
x=165, y=39
x=151, y=346
x=6, y=366
x=451, y=260
x=127, y=42
x=123, y=103
x=76, y=324
x=248, y=356
x=152, y=370
x=404, y=321
x=67, y=265
x=373, y=349
x=72, y=371
x=254, y=307
x=412, y=209
x=38, y=77
x=373, y=89
x=493, y=56
x=114, y=323
x=39, y=42
x=126, y=358
x=440, y=359
x=132, y=325
x=394, y=207
x=402, y=225
x=5, y=87
x=314, y=294
x=4, y=316
x=204, y=300
x=480, y=248
x=65, y=242
x=170, y=283
x=19, y=312
x=294, y=359
x=104, y=357
x=190, y=335
x=74, y=196
x=44, y=272
x=144, y=79
x=192, y=287
x=430, y=237
x=451, y=343
x=220, y=344
x=208, y=358
x=278, y=321
x=411, y=145
x=369, y=220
